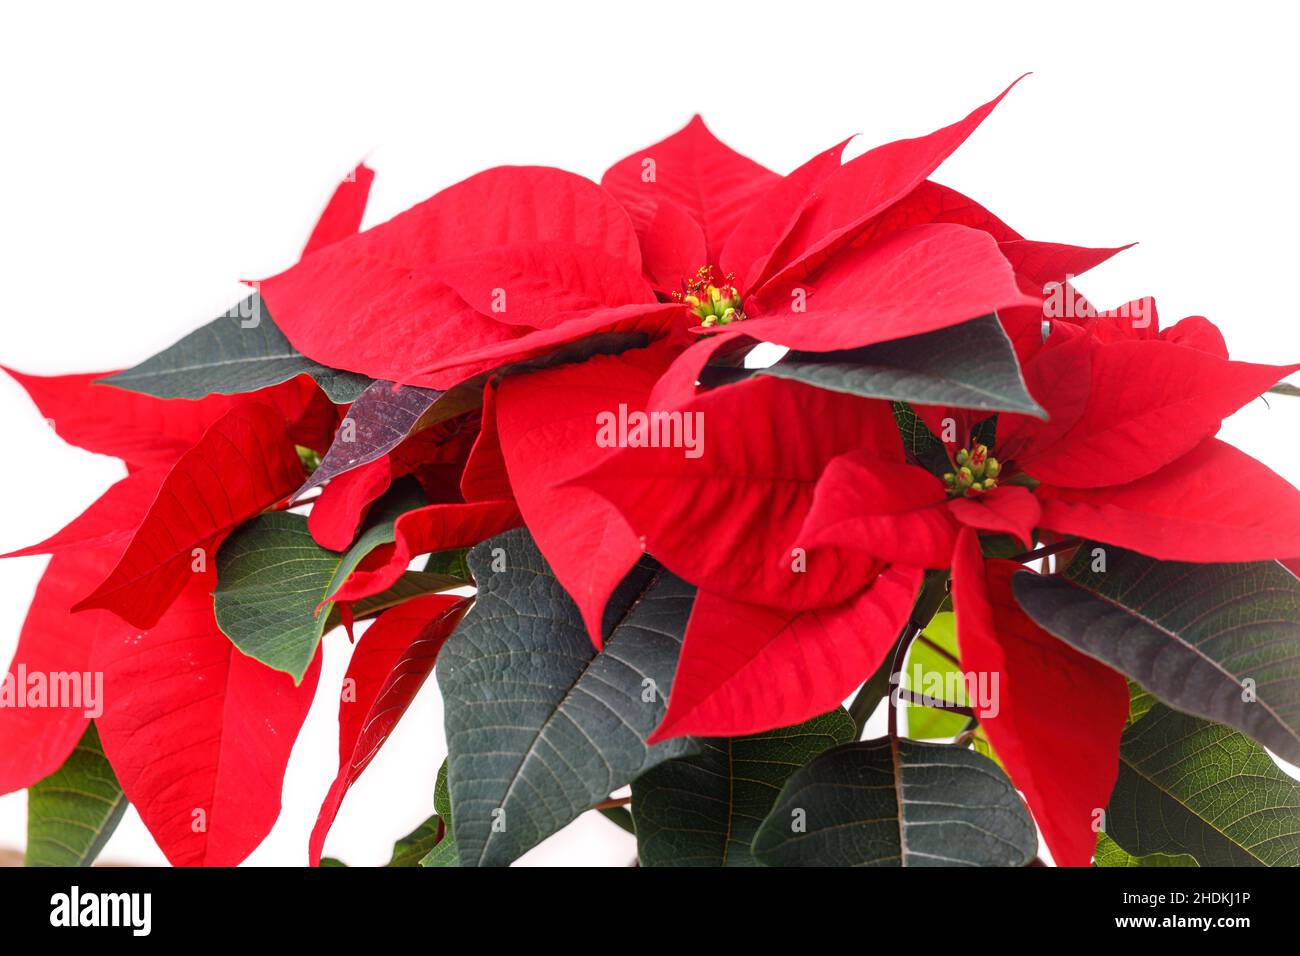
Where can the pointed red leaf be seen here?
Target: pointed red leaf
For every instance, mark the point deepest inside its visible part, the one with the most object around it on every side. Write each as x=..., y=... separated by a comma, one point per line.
x=1148, y=404
x=342, y=216
x=372, y=304
x=931, y=202
x=915, y=280
x=109, y=521
x=485, y=477
x=859, y=190
x=746, y=668
x=728, y=521
x=695, y=170
x=35, y=736
x=890, y=510
x=772, y=215
x=197, y=733
x=432, y=528
x=1066, y=767
x=540, y=284
x=672, y=246
x=388, y=667
x=344, y=503
x=139, y=429
x=242, y=464
x=617, y=325
x=1213, y=504
x=1008, y=509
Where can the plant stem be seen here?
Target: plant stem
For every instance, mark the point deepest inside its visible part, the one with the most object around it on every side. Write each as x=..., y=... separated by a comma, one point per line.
x=933, y=592
x=921, y=701
x=941, y=651
x=896, y=673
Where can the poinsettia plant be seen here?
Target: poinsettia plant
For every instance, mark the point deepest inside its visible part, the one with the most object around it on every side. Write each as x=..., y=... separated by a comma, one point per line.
x=673, y=481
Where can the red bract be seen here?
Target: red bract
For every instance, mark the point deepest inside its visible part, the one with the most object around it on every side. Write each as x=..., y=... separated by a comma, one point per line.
x=197, y=733
x=388, y=667
x=1066, y=767
x=240, y=466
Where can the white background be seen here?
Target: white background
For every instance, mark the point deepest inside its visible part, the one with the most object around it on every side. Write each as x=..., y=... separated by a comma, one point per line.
x=153, y=155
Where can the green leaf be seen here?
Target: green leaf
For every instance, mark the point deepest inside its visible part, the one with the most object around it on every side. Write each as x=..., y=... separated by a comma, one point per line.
x=1110, y=853
x=1285, y=388
x=1188, y=786
x=541, y=727
x=921, y=444
x=971, y=365
x=444, y=853
x=411, y=849
x=703, y=810
x=271, y=577
x=937, y=671
x=897, y=803
x=72, y=812
x=240, y=351
x=1221, y=641
x=451, y=563
x=621, y=817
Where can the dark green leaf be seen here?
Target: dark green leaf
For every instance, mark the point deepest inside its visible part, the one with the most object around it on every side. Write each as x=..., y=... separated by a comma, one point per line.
x=703, y=810
x=444, y=853
x=1110, y=853
x=240, y=351
x=72, y=812
x=1188, y=786
x=272, y=576
x=843, y=809
x=621, y=817
x=540, y=727
x=921, y=444
x=411, y=849
x=451, y=564
x=1221, y=641
x=971, y=365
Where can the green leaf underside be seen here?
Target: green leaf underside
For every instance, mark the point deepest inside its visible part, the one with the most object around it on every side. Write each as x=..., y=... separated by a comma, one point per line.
x=226, y=358
x=971, y=365
x=72, y=812
x=271, y=576
x=703, y=810
x=928, y=723
x=900, y=803
x=1190, y=634
x=1189, y=786
x=444, y=853
x=1110, y=853
x=411, y=849
x=540, y=727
